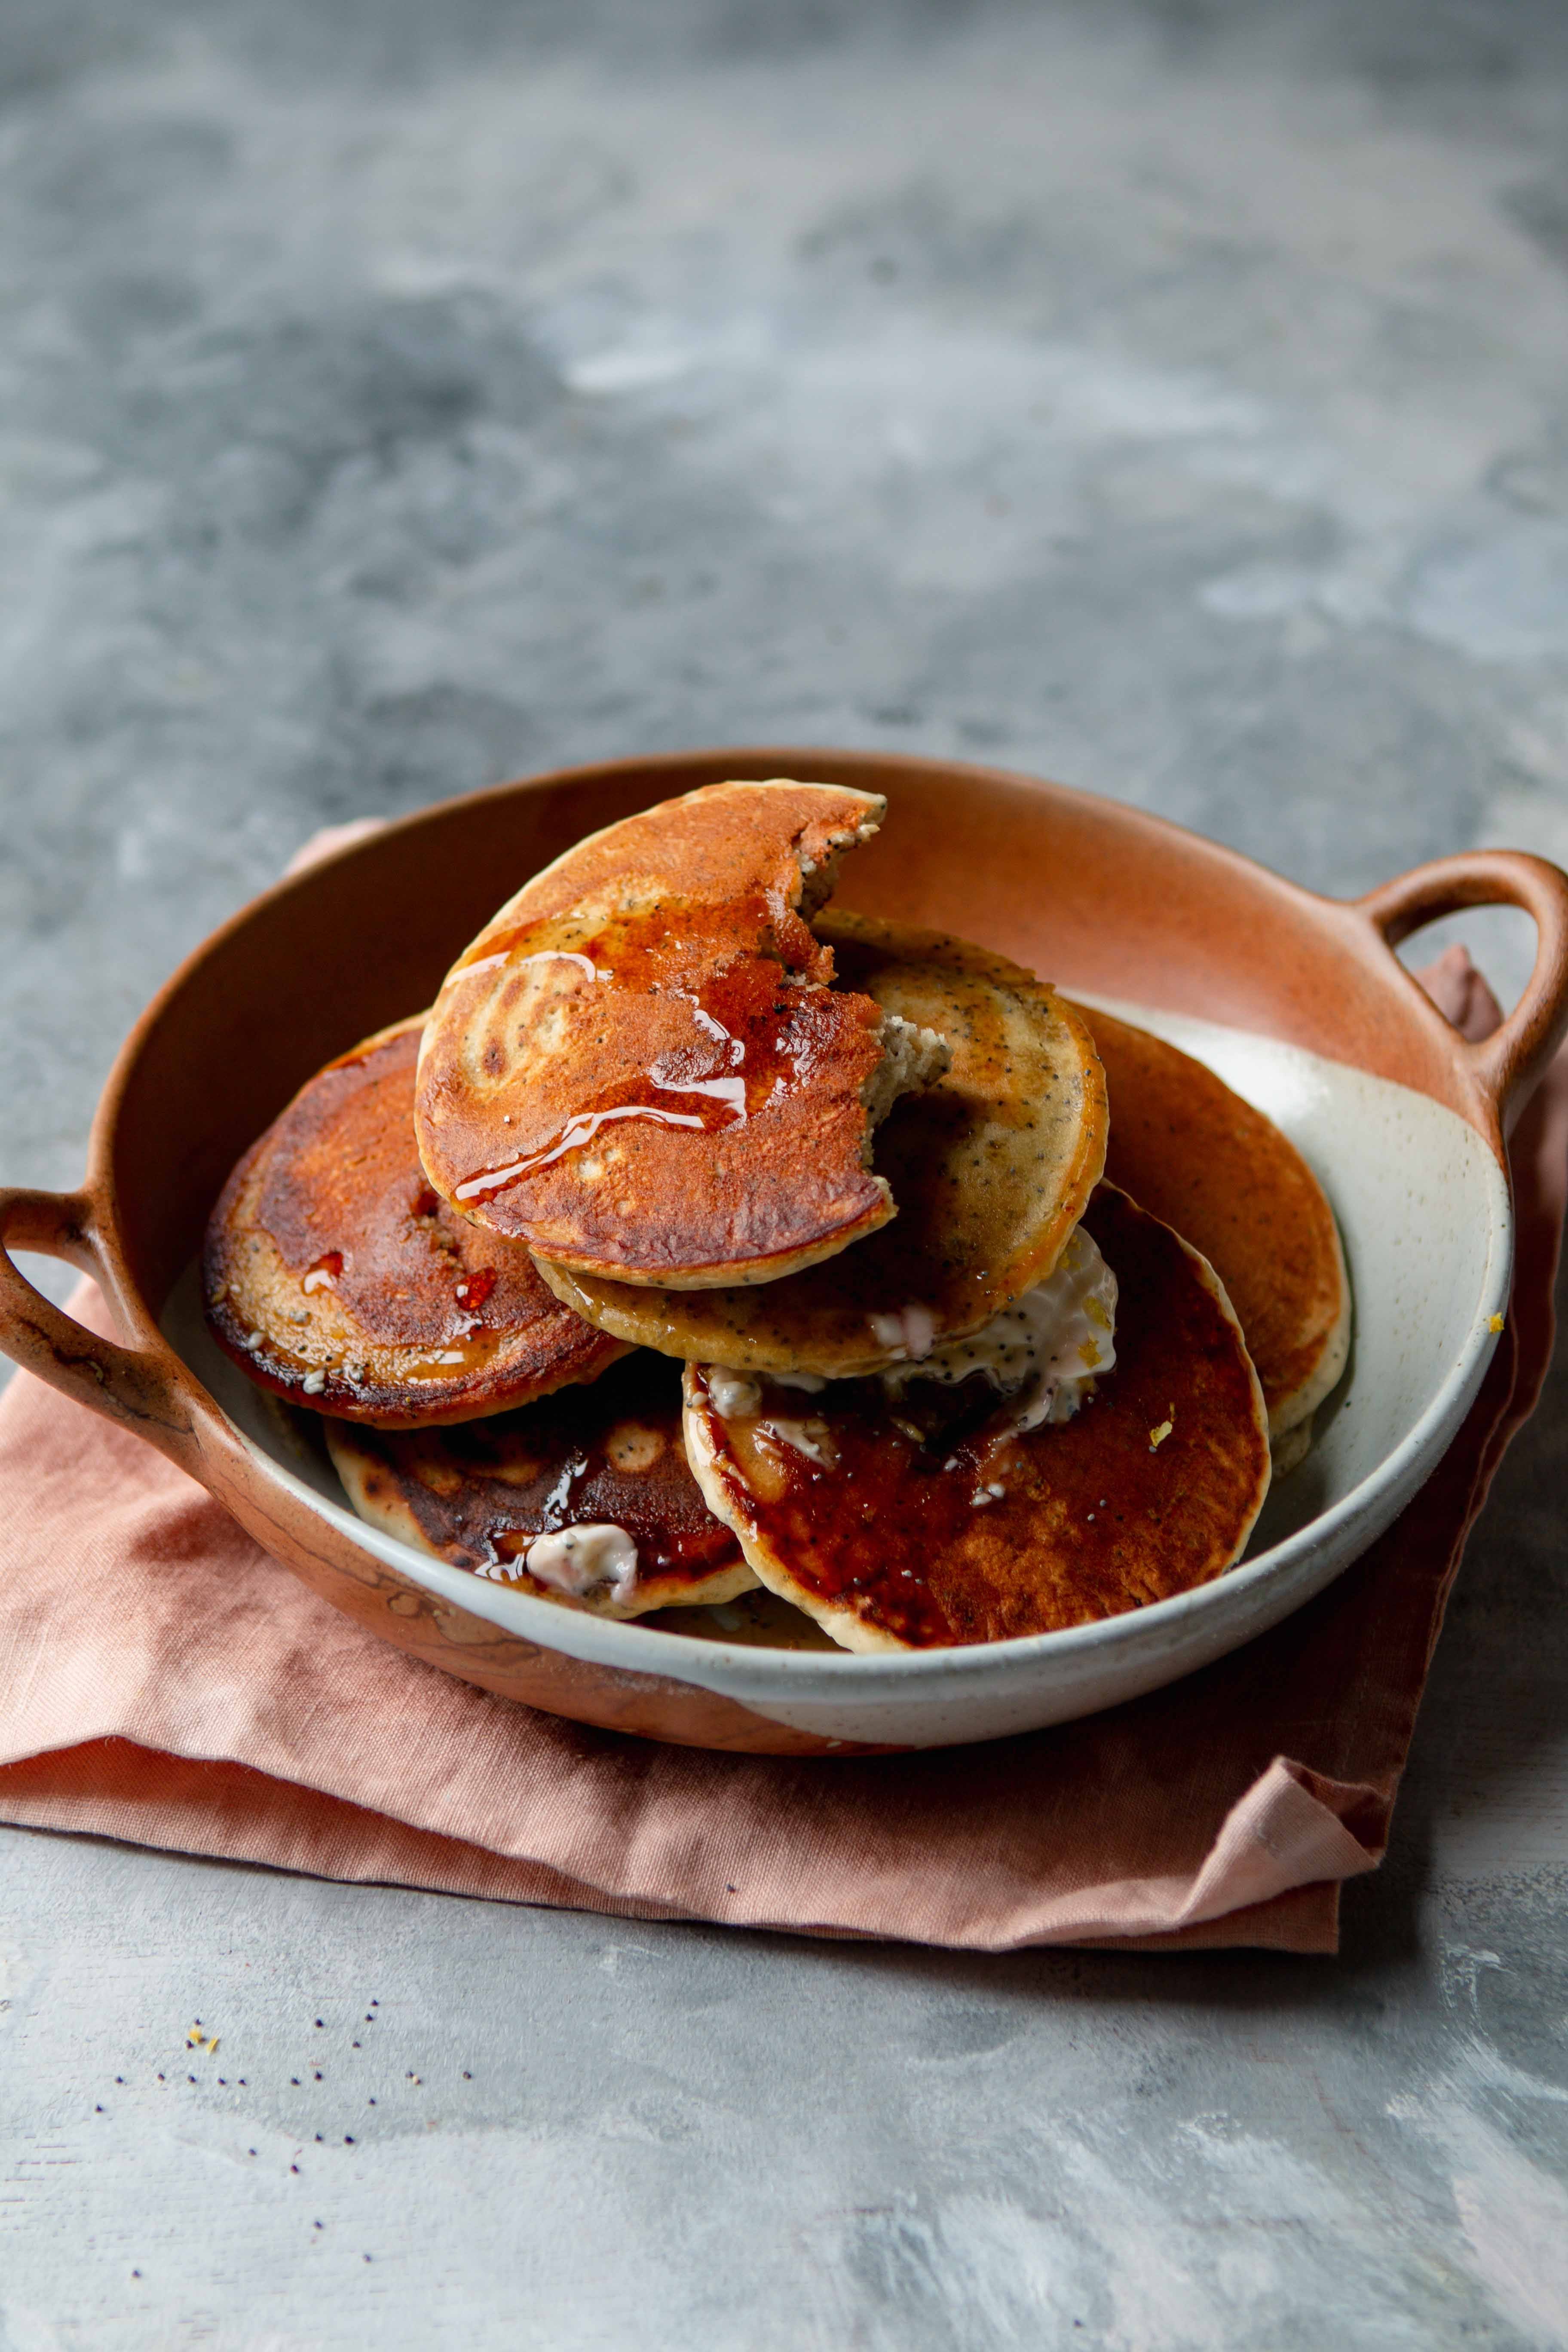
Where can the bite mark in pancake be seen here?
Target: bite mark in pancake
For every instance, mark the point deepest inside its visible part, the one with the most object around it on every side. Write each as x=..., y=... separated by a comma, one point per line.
x=1221, y=1173
x=992, y=1167
x=930, y=1521
x=571, y=1475
x=639, y=1068
x=335, y=1276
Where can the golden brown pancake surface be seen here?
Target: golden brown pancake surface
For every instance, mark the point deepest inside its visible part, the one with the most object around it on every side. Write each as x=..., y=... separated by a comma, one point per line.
x=608, y=1458
x=929, y=1520
x=1198, y=1156
x=992, y=1166
x=337, y=1277
x=638, y=1068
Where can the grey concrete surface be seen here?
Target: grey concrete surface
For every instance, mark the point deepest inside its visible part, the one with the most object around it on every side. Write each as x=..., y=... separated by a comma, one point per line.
x=1170, y=398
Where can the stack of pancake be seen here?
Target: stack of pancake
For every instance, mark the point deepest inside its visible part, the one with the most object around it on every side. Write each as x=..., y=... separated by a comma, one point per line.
x=701, y=1242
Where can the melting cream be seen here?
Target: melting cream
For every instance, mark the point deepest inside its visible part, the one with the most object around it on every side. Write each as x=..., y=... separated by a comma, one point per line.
x=579, y=1561
x=908, y=1333
x=735, y=1396
x=1047, y=1348
x=811, y=1438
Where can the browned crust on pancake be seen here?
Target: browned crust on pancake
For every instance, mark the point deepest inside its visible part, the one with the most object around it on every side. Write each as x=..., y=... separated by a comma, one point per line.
x=992, y=1167
x=333, y=1196
x=477, y=1495
x=1223, y=1174
x=587, y=1063
x=882, y=1541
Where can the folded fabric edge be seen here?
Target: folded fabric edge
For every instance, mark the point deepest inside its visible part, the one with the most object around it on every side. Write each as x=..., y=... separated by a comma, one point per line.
x=1303, y=1924
x=1280, y=1841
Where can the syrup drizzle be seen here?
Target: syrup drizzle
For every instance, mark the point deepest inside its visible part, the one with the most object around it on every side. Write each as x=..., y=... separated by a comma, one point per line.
x=759, y=997
x=576, y=1132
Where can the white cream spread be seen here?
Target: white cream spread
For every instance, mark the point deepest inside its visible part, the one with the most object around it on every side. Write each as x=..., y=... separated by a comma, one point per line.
x=809, y=1437
x=908, y=1333
x=735, y=1396
x=1048, y=1347
x=579, y=1560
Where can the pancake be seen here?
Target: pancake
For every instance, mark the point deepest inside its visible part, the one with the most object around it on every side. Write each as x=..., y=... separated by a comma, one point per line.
x=639, y=1069
x=930, y=1518
x=992, y=1167
x=1198, y=1156
x=600, y=1473
x=335, y=1276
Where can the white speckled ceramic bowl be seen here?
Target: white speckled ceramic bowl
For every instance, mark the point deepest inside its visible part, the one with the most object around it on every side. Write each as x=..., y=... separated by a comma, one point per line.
x=1298, y=1002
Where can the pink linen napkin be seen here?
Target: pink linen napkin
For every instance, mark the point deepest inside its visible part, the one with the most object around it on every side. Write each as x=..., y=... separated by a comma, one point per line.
x=163, y=1681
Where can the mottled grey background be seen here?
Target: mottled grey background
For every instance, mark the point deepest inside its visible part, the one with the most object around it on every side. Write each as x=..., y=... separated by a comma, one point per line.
x=394, y=398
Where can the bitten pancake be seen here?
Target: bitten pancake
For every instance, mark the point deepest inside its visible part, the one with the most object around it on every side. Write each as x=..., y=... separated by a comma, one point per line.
x=333, y=1274
x=991, y=1168
x=585, y=1499
x=638, y=1068
x=1198, y=1156
x=928, y=1518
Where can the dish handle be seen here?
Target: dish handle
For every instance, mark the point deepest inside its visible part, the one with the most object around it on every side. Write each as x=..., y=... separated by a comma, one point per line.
x=1509, y=1062
x=131, y=1386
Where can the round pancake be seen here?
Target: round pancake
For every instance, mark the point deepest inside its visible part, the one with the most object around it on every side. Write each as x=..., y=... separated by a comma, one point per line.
x=1198, y=1156
x=335, y=1276
x=991, y=1167
x=606, y=1461
x=931, y=1520
x=638, y=1068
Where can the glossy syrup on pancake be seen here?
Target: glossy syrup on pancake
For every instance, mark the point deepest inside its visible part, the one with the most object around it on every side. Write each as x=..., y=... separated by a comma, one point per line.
x=991, y=1165
x=336, y=1274
x=1206, y=1161
x=928, y=1518
x=606, y=1461
x=640, y=1067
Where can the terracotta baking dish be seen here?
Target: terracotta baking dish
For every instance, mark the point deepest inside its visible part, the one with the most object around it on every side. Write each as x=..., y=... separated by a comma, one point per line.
x=1298, y=999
